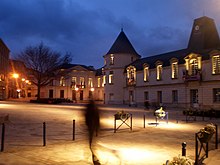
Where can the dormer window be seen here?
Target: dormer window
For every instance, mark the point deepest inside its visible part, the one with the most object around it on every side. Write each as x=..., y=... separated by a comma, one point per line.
x=111, y=59
x=146, y=73
x=216, y=64
x=174, y=68
x=131, y=75
x=159, y=70
x=193, y=64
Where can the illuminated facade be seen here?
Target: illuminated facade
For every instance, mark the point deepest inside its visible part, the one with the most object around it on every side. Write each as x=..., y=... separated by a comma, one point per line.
x=182, y=78
x=4, y=64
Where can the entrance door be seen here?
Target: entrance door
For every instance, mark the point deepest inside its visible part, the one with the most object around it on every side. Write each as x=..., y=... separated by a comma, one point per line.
x=51, y=93
x=194, y=96
x=81, y=95
x=73, y=95
x=131, y=97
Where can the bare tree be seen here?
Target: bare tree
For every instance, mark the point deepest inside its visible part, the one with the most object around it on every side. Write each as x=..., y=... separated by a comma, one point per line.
x=43, y=64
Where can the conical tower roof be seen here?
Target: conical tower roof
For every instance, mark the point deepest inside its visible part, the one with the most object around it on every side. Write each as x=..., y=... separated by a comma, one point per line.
x=204, y=34
x=122, y=45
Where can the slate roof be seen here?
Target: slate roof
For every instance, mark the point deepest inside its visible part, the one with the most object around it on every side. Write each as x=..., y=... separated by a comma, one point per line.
x=166, y=57
x=204, y=34
x=68, y=66
x=122, y=45
x=200, y=42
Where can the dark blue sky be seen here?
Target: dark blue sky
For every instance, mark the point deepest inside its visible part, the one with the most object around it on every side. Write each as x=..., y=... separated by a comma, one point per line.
x=88, y=28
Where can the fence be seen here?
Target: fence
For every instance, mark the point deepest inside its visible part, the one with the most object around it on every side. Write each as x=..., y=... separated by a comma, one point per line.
x=34, y=130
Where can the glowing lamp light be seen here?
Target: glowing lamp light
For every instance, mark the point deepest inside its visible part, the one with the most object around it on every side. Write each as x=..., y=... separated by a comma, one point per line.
x=92, y=89
x=76, y=89
x=18, y=90
x=27, y=81
x=15, y=75
x=23, y=79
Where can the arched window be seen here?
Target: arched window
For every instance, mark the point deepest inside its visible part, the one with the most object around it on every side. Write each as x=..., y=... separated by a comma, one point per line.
x=159, y=68
x=62, y=81
x=174, y=68
x=131, y=75
x=146, y=72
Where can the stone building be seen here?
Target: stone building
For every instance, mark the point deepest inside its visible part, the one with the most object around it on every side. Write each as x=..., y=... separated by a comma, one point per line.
x=181, y=78
x=4, y=64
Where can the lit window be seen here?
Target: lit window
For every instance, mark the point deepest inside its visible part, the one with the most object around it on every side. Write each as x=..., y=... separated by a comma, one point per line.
x=73, y=82
x=216, y=95
x=90, y=83
x=82, y=82
x=159, y=72
x=131, y=75
x=146, y=74
x=193, y=66
x=103, y=80
x=174, y=66
x=111, y=59
x=111, y=77
x=62, y=81
x=99, y=81
x=216, y=64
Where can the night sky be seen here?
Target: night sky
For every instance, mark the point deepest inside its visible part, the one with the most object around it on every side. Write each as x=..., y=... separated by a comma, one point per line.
x=88, y=28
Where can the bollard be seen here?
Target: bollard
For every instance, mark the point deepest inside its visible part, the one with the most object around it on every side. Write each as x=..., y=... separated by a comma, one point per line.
x=44, y=134
x=184, y=149
x=3, y=137
x=74, y=126
x=144, y=121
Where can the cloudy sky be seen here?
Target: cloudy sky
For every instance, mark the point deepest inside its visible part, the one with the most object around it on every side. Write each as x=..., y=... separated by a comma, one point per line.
x=88, y=28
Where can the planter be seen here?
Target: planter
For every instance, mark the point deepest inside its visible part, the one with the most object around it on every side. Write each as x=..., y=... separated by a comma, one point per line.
x=123, y=116
x=205, y=136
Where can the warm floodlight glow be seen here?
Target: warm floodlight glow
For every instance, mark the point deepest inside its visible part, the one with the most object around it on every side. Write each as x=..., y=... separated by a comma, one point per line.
x=27, y=81
x=18, y=90
x=15, y=75
x=76, y=89
x=92, y=89
x=23, y=79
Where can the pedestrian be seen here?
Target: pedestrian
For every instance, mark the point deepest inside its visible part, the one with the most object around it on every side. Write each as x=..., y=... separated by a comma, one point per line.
x=93, y=124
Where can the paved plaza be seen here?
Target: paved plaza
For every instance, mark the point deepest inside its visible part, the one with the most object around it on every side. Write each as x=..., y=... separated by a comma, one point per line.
x=152, y=145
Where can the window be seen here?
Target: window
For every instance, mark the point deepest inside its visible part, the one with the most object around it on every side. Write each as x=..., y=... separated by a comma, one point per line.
x=73, y=82
x=159, y=72
x=159, y=97
x=146, y=96
x=193, y=66
x=61, y=93
x=216, y=64
x=131, y=75
x=82, y=82
x=111, y=59
x=111, y=77
x=194, y=96
x=146, y=73
x=51, y=93
x=216, y=95
x=90, y=83
x=62, y=81
x=174, y=68
x=51, y=83
x=111, y=96
x=99, y=81
x=174, y=96
x=103, y=80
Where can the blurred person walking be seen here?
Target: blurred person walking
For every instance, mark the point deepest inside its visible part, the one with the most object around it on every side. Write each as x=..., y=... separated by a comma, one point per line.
x=93, y=124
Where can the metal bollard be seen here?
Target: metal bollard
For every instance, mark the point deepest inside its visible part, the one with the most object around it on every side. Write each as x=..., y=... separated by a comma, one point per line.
x=184, y=149
x=144, y=121
x=44, y=134
x=74, y=126
x=3, y=137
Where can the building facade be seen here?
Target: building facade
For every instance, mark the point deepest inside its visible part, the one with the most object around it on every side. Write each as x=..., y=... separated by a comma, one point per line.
x=182, y=78
x=4, y=65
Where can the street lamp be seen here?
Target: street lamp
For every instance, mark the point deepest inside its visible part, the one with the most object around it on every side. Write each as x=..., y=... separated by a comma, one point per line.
x=15, y=75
